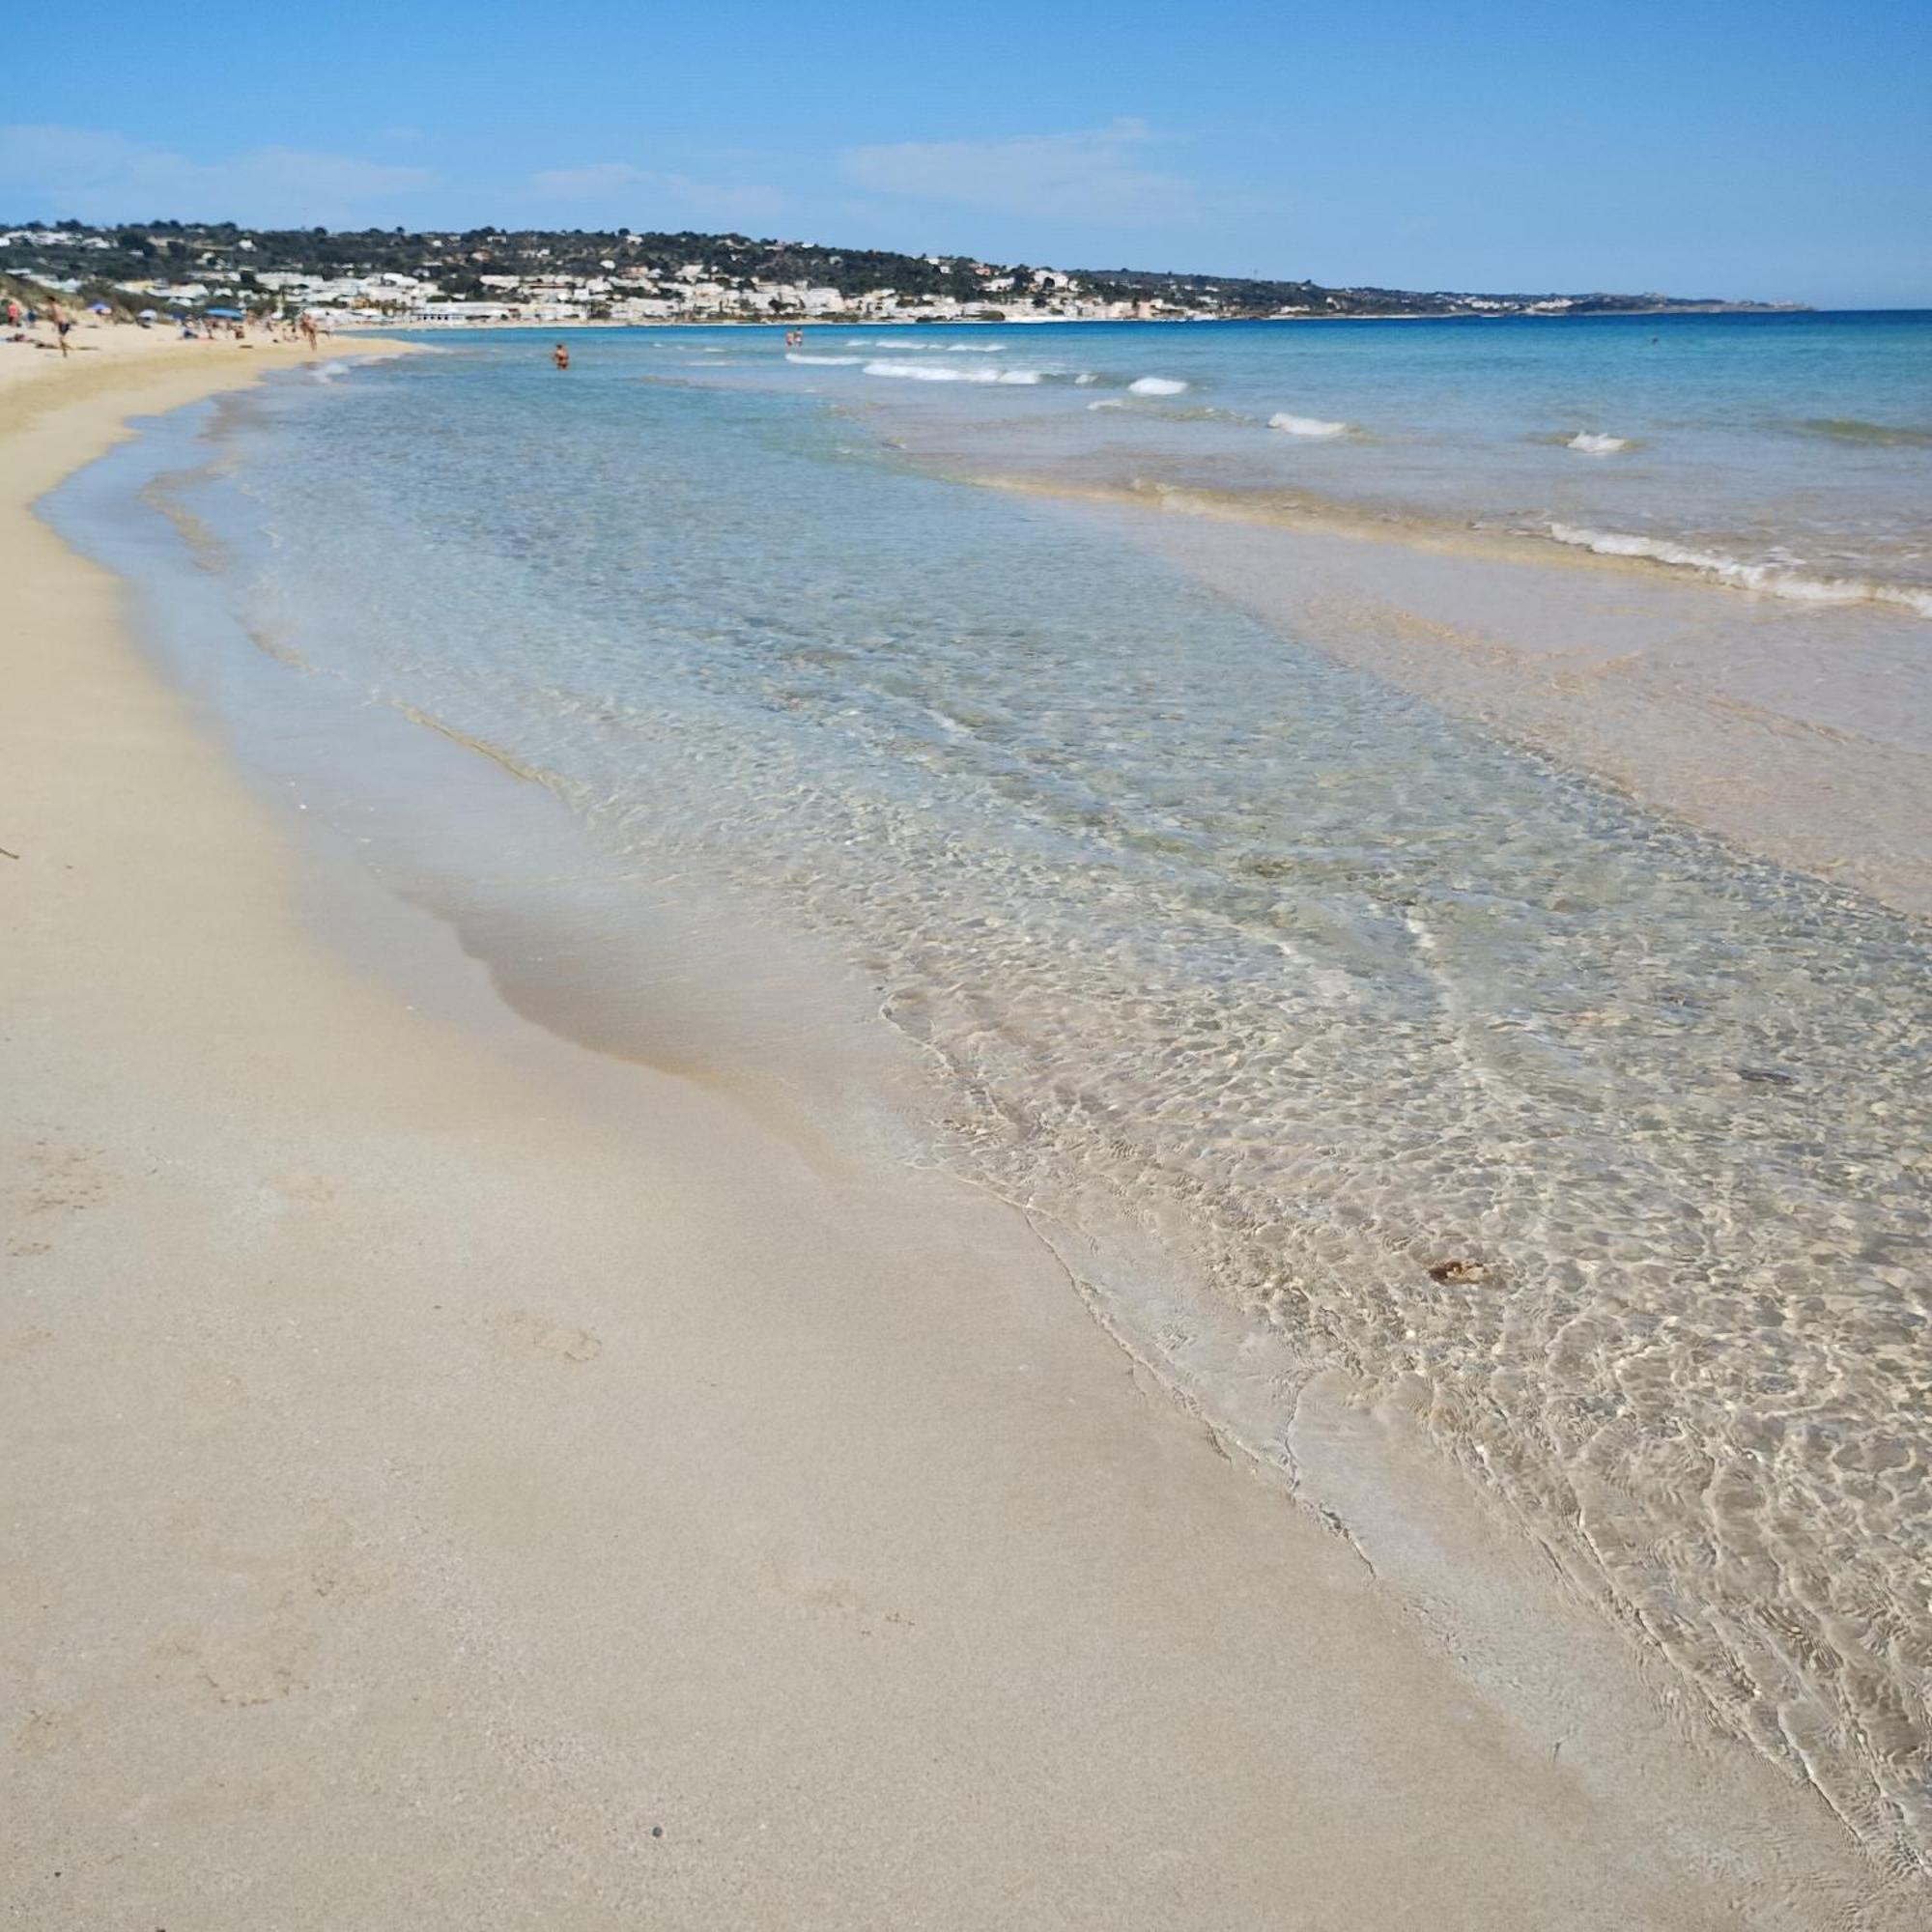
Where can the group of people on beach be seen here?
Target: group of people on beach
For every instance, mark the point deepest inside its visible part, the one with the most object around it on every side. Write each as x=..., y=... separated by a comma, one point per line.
x=22, y=318
x=23, y=321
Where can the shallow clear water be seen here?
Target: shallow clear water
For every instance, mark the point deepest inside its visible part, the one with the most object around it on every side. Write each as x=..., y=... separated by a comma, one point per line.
x=1600, y=1147
x=1789, y=452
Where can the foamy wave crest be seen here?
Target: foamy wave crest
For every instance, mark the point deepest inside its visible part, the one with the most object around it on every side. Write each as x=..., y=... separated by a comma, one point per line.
x=1108, y=403
x=1593, y=444
x=1310, y=426
x=924, y=348
x=1772, y=579
x=928, y=372
x=1155, y=385
x=823, y=361
x=329, y=372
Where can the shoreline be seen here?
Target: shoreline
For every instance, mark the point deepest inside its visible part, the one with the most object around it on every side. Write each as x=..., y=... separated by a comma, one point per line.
x=440, y=1468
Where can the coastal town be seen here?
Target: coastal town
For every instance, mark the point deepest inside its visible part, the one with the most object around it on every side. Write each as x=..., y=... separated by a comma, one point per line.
x=496, y=276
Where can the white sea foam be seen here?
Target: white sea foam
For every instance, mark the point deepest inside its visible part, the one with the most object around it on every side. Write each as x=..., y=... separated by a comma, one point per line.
x=1311, y=426
x=823, y=361
x=1155, y=385
x=329, y=372
x=1108, y=403
x=929, y=372
x=1086, y=377
x=1593, y=444
x=1774, y=579
x=924, y=348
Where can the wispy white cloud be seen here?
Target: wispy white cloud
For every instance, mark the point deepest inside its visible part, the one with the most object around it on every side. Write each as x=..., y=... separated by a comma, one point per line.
x=655, y=198
x=56, y=172
x=591, y=181
x=1105, y=174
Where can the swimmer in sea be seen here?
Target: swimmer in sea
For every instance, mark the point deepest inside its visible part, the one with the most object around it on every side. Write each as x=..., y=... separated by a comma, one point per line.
x=560, y=356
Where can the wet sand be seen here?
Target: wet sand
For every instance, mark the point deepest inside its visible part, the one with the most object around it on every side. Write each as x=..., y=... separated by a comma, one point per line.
x=454, y=1477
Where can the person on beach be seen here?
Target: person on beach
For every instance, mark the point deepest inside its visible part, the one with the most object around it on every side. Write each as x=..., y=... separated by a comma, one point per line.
x=308, y=328
x=560, y=356
x=62, y=323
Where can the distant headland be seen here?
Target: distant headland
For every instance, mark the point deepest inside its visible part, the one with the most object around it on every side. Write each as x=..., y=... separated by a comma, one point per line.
x=558, y=275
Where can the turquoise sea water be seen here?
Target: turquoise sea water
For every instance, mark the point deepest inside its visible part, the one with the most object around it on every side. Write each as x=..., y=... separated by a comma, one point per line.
x=1792, y=452
x=1599, y=1145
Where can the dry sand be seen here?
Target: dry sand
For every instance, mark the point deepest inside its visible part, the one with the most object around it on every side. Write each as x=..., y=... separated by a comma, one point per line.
x=455, y=1479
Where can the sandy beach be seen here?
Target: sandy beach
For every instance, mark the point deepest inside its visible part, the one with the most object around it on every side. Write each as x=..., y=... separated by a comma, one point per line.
x=456, y=1478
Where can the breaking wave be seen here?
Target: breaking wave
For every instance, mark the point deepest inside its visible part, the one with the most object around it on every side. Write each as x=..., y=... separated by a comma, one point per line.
x=924, y=348
x=926, y=372
x=1772, y=578
x=1155, y=385
x=1310, y=426
x=1593, y=444
x=823, y=361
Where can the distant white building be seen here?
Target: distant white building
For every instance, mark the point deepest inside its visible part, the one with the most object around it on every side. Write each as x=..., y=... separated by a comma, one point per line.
x=459, y=311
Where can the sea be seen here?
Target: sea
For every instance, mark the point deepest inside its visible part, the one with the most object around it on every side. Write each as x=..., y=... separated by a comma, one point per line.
x=1400, y=845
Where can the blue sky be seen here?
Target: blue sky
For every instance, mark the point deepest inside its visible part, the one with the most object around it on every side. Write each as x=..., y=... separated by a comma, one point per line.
x=1776, y=149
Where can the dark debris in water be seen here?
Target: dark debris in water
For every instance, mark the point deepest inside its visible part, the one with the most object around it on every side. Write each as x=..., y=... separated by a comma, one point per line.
x=1449, y=1272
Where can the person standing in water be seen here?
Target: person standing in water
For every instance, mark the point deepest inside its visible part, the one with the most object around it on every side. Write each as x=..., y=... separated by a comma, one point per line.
x=560, y=356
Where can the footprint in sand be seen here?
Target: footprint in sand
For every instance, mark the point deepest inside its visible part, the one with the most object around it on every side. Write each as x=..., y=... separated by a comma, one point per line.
x=46, y=1731
x=553, y=1338
x=298, y=1187
x=256, y=1666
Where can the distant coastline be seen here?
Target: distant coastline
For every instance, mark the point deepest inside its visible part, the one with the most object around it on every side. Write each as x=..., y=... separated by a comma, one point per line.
x=493, y=276
x=356, y=324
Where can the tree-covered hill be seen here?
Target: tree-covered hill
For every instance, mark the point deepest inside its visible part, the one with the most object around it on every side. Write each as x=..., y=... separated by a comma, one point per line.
x=473, y=263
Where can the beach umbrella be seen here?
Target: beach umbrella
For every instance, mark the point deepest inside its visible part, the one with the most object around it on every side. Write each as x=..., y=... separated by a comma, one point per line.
x=99, y=308
x=147, y=315
x=226, y=314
